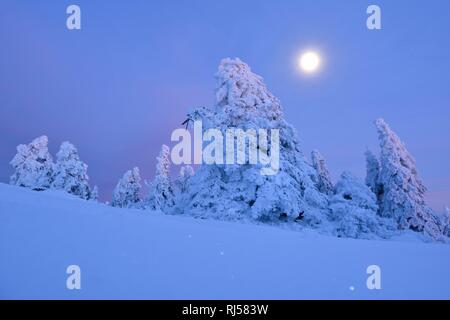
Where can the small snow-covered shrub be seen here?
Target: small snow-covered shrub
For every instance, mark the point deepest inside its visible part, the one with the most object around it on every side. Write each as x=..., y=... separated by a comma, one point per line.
x=126, y=193
x=94, y=194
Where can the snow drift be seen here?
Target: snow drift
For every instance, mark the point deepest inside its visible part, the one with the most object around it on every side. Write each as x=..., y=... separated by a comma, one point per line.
x=127, y=253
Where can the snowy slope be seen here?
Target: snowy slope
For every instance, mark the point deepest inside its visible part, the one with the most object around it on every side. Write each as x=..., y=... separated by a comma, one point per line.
x=137, y=254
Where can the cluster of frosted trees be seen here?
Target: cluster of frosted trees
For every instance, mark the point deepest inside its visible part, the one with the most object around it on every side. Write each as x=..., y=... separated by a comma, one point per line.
x=162, y=190
x=34, y=169
x=391, y=198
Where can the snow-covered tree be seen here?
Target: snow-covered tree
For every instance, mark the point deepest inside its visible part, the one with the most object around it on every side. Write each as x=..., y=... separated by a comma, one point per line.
x=161, y=195
x=126, y=193
x=402, y=191
x=446, y=221
x=186, y=172
x=240, y=191
x=324, y=183
x=33, y=165
x=94, y=194
x=70, y=172
x=372, y=172
x=354, y=211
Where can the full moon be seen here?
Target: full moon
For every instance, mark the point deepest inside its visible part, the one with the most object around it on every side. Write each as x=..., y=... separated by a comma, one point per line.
x=309, y=61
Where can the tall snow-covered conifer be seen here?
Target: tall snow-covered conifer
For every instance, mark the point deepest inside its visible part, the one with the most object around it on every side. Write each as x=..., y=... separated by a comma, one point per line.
x=402, y=194
x=33, y=165
x=161, y=195
x=240, y=191
x=70, y=172
x=126, y=193
x=324, y=183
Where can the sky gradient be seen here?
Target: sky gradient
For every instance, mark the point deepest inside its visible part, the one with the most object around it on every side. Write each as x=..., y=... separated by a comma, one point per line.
x=121, y=85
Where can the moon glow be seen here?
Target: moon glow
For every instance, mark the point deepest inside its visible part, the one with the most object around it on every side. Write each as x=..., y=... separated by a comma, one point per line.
x=309, y=62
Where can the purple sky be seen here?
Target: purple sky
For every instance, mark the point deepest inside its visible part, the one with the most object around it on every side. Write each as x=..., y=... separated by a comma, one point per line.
x=118, y=87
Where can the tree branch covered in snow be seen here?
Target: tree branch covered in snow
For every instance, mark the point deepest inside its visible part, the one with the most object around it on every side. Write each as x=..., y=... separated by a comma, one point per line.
x=372, y=172
x=324, y=183
x=354, y=211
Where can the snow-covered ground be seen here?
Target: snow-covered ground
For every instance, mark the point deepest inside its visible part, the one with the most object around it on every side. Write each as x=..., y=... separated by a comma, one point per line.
x=146, y=255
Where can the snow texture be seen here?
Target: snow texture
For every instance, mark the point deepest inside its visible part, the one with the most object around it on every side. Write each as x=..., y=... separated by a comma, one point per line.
x=131, y=254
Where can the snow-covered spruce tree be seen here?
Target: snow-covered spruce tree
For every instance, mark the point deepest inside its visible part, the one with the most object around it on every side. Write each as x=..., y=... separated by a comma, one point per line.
x=181, y=183
x=161, y=195
x=372, y=172
x=70, y=172
x=240, y=191
x=126, y=193
x=354, y=211
x=33, y=165
x=446, y=221
x=323, y=180
x=402, y=193
x=94, y=194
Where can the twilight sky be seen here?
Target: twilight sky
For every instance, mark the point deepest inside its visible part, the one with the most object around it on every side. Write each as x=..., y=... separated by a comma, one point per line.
x=118, y=87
